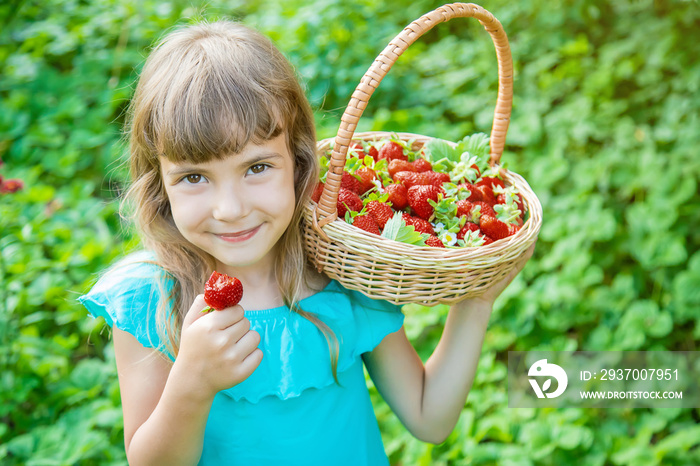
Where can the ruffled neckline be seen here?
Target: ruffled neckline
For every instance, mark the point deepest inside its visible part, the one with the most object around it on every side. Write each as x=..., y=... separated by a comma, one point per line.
x=296, y=355
x=281, y=310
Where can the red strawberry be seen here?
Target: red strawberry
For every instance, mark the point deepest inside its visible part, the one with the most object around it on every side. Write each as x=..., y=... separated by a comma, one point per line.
x=392, y=150
x=422, y=165
x=398, y=165
x=381, y=212
x=367, y=177
x=486, y=208
x=374, y=153
x=434, y=242
x=410, y=179
x=420, y=225
x=493, y=228
x=357, y=149
x=487, y=194
x=491, y=181
x=487, y=240
x=469, y=226
x=513, y=229
x=11, y=186
x=366, y=222
x=222, y=291
x=436, y=178
x=474, y=194
x=348, y=200
x=349, y=182
x=398, y=196
x=464, y=208
x=476, y=167
x=468, y=209
x=418, y=200
x=317, y=192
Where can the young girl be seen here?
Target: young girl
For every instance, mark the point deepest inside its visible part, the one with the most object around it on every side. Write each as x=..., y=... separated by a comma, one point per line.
x=223, y=159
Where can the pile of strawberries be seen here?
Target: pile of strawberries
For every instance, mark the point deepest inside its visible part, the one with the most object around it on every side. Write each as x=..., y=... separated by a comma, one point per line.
x=444, y=195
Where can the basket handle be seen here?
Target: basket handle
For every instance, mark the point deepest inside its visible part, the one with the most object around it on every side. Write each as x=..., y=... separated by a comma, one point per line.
x=326, y=211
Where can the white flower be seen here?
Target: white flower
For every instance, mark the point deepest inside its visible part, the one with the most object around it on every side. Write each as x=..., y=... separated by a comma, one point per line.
x=439, y=227
x=379, y=186
x=449, y=238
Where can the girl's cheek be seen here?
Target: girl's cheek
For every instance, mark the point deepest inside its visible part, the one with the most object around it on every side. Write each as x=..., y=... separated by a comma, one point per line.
x=272, y=187
x=188, y=204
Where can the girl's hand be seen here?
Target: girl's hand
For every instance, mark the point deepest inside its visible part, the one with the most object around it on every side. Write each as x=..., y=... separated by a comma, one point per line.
x=218, y=349
x=494, y=291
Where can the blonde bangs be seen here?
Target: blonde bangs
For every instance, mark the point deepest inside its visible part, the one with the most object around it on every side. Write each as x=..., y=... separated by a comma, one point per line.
x=204, y=104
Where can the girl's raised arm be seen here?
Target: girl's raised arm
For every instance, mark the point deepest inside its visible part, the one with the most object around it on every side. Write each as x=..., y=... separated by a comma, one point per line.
x=429, y=399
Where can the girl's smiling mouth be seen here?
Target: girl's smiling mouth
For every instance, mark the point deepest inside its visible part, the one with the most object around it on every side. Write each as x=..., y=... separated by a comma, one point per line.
x=239, y=236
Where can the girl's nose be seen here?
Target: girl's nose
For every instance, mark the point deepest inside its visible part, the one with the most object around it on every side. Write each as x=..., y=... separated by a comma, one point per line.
x=229, y=205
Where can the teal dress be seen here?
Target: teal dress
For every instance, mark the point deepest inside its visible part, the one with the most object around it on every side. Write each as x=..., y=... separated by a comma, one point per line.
x=289, y=411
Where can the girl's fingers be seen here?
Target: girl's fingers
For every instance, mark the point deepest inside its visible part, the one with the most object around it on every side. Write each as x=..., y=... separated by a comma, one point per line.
x=218, y=319
x=236, y=331
x=250, y=363
x=246, y=354
x=225, y=318
x=195, y=311
x=248, y=342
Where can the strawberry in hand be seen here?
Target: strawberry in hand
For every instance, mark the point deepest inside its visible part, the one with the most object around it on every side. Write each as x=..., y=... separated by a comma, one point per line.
x=222, y=291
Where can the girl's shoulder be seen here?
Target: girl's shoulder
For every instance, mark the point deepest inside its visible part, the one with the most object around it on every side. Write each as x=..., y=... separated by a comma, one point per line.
x=136, y=275
x=128, y=294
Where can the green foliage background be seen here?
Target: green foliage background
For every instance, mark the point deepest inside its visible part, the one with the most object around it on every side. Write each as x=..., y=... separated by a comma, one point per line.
x=605, y=127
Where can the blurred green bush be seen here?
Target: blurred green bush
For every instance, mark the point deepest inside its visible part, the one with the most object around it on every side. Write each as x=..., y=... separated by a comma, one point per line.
x=605, y=128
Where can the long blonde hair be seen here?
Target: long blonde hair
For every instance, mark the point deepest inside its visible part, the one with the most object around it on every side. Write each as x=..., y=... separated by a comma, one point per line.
x=204, y=93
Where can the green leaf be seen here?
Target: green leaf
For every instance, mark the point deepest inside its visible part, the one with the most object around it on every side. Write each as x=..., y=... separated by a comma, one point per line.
x=324, y=163
x=682, y=440
x=397, y=230
x=476, y=145
x=570, y=437
x=436, y=149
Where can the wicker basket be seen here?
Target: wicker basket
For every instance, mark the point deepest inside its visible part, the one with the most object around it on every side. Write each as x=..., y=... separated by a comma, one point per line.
x=398, y=272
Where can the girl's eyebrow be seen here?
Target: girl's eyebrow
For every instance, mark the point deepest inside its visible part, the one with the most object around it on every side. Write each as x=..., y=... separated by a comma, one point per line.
x=182, y=169
x=263, y=156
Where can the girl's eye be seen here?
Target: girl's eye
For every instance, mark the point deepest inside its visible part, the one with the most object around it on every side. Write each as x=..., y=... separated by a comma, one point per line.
x=258, y=168
x=193, y=179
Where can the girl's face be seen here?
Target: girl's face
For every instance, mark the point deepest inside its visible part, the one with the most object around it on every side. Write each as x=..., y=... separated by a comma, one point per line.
x=235, y=209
